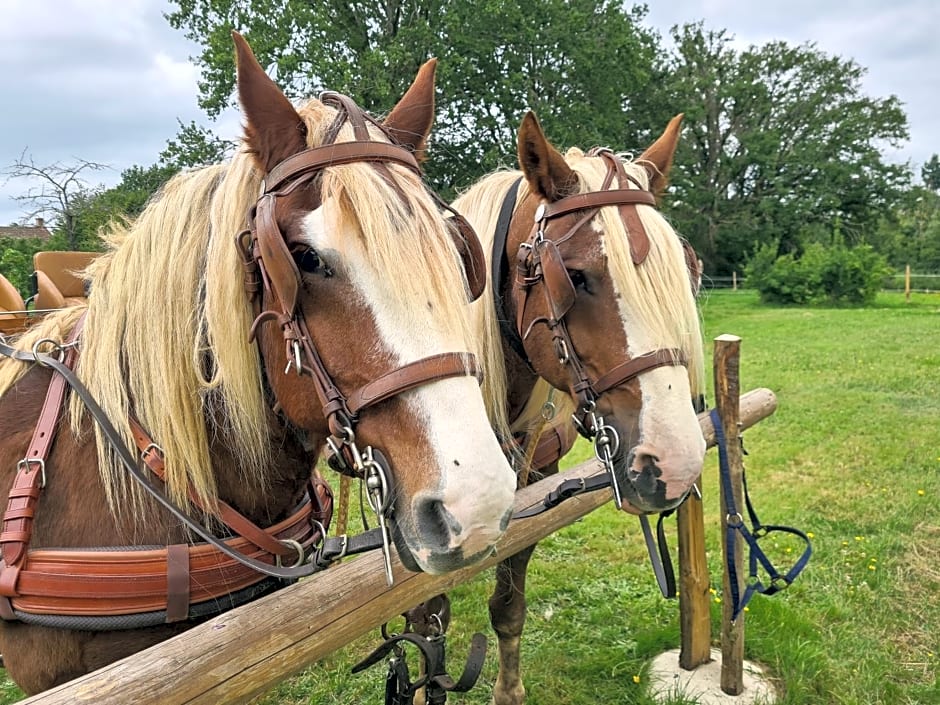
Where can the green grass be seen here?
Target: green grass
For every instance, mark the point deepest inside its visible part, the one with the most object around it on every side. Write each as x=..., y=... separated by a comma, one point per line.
x=851, y=455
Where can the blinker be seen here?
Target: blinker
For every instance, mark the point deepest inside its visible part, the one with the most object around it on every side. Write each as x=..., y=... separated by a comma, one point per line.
x=559, y=289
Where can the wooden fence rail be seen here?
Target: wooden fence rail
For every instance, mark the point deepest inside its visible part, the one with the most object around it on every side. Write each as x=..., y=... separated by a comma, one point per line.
x=242, y=653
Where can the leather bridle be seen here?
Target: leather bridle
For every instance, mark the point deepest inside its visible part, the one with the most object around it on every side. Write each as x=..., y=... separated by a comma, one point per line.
x=271, y=267
x=540, y=267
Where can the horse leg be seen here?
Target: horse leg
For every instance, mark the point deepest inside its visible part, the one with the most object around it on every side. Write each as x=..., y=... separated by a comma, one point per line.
x=507, y=615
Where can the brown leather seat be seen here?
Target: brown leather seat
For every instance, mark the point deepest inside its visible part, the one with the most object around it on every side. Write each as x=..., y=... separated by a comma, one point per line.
x=59, y=282
x=10, y=300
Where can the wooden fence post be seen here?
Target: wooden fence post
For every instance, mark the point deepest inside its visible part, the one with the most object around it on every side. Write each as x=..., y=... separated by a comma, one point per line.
x=907, y=283
x=727, y=386
x=695, y=623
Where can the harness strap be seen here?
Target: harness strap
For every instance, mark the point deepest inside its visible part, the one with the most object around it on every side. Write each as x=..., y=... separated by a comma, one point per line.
x=500, y=264
x=337, y=154
x=632, y=368
x=415, y=374
x=30, y=477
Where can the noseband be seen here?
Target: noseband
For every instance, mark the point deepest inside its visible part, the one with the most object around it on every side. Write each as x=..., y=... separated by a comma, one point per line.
x=270, y=266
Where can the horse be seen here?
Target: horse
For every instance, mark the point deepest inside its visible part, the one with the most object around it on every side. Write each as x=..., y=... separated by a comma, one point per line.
x=589, y=308
x=229, y=356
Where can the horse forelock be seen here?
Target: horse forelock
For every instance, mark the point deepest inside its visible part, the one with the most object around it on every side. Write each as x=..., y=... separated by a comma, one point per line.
x=658, y=289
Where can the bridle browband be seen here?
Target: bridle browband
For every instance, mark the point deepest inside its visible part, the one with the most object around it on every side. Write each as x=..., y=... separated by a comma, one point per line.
x=270, y=266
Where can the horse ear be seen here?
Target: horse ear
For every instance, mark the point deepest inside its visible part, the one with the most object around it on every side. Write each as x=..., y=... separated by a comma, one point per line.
x=544, y=167
x=410, y=121
x=273, y=129
x=657, y=160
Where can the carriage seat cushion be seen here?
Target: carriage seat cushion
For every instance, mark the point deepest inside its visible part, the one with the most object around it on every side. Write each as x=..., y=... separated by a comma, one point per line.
x=10, y=300
x=59, y=280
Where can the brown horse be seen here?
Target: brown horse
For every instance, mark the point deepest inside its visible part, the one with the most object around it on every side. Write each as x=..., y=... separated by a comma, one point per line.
x=360, y=341
x=589, y=308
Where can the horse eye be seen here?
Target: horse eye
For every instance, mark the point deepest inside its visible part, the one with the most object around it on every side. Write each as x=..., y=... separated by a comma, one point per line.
x=578, y=280
x=307, y=260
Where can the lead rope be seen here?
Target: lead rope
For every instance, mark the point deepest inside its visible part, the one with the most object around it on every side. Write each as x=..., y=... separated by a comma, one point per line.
x=735, y=524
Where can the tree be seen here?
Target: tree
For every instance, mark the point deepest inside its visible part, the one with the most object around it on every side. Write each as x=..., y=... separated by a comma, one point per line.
x=94, y=210
x=780, y=145
x=930, y=173
x=580, y=64
x=194, y=146
x=57, y=190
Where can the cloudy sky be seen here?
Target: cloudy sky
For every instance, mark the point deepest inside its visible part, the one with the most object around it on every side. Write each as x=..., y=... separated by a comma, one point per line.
x=107, y=80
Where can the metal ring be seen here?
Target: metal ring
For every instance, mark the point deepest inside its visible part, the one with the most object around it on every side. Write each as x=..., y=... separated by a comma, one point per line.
x=291, y=543
x=734, y=520
x=57, y=346
x=435, y=617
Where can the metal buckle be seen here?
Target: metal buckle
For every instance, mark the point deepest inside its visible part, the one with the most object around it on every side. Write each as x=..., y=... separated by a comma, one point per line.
x=24, y=465
x=152, y=448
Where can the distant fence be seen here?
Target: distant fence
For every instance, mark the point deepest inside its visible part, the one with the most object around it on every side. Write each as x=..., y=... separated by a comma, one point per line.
x=921, y=283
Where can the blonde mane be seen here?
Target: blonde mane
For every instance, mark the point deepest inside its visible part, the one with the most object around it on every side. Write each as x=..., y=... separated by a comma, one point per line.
x=166, y=335
x=658, y=290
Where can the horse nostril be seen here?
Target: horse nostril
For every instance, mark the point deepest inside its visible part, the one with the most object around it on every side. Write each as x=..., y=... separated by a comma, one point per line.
x=644, y=473
x=434, y=523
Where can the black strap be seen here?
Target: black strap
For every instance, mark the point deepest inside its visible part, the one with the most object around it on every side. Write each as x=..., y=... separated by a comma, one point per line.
x=399, y=689
x=129, y=460
x=499, y=267
x=566, y=490
x=735, y=523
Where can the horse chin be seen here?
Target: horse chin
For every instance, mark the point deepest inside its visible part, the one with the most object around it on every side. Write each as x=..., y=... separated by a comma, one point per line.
x=435, y=563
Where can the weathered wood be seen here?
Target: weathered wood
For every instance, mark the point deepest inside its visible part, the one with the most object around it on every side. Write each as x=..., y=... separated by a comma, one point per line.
x=694, y=580
x=694, y=613
x=242, y=653
x=727, y=384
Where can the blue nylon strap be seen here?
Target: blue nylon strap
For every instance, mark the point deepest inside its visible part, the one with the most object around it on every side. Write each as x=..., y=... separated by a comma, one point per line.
x=757, y=558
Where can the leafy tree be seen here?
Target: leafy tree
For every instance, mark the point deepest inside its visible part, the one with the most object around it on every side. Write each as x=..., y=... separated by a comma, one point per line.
x=16, y=261
x=583, y=65
x=194, y=146
x=930, y=173
x=94, y=210
x=781, y=145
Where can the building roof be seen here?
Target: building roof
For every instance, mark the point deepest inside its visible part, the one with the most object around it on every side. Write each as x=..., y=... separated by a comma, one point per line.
x=22, y=232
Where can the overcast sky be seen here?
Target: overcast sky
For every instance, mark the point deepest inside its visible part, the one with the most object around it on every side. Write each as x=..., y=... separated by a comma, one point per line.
x=106, y=80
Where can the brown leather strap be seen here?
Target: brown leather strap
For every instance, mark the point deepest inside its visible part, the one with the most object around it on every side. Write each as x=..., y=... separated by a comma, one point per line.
x=598, y=199
x=337, y=154
x=16, y=529
x=104, y=582
x=636, y=233
x=241, y=525
x=415, y=374
x=637, y=366
x=177, y=583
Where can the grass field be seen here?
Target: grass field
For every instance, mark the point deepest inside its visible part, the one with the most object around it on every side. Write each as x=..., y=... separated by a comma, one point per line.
x=852, y=456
